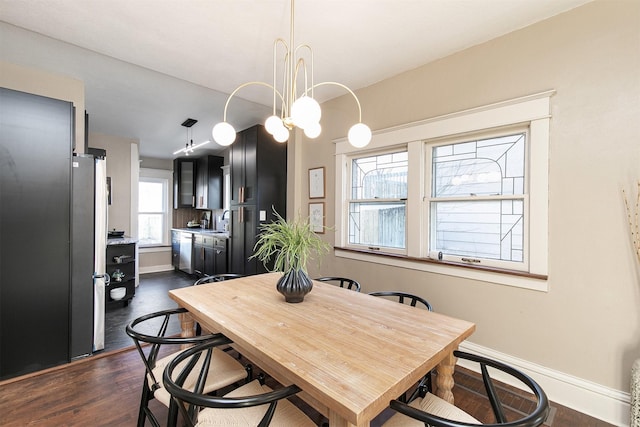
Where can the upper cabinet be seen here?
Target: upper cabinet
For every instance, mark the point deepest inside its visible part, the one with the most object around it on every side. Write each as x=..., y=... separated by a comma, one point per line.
x=258, y=169
x=184, y=183
x=209, y=182
x=197, y=182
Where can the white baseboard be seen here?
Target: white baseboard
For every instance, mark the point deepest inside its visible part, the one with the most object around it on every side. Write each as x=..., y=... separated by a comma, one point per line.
x=156, y=268
x=595, y=400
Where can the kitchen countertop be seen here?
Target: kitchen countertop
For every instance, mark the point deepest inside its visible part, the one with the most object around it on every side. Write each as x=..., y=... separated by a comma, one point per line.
x=216, y=233
x=124, y=240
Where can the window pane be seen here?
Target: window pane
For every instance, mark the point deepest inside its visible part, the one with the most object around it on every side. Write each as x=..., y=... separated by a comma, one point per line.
x=492, y=166
x=377, y=224
x=150, y=196
x=479, y=229
x=150, y=228
x=380, y=177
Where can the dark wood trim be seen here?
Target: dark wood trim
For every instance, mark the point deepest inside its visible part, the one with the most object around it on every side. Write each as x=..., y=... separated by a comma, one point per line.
x=447, y=263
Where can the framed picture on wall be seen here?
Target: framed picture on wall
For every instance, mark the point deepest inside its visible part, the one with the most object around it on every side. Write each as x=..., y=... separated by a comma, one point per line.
x=316, y=183
x=316, y=217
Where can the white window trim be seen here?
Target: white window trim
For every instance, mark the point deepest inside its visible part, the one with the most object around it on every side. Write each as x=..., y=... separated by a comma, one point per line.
x=167, y=175
x=534, y=110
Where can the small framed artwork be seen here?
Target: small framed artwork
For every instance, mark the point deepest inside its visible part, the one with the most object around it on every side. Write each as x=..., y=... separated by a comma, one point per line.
x=316, y=217
x=316, y=183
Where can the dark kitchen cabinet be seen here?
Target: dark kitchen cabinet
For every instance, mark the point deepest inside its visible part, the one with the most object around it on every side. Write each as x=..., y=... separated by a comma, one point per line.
x=209, y=182
x=244, y=228
x=175, y=249
x=258, y=185
x=184, y=183
x=203, y=255
x=121, y=267
x=210, y=255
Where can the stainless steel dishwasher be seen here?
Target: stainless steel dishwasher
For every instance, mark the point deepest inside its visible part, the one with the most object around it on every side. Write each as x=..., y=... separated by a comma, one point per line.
x=186, y=252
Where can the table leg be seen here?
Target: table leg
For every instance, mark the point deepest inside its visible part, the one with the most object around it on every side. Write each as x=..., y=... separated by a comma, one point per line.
x=187, y=325
x=444, y=379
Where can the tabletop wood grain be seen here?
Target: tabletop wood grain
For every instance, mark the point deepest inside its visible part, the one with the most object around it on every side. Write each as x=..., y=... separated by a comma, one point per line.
x=350, y=353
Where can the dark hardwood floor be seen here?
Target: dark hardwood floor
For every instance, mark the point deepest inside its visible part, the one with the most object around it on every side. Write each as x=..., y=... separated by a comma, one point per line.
x=151, y=295
x=104, y=389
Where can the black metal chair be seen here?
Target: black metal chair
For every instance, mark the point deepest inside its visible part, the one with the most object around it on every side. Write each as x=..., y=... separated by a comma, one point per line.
x=343, y=282
x=404, y=298
x=217, y=278
x=433, y=411
x=252, y=404
x=153, y=329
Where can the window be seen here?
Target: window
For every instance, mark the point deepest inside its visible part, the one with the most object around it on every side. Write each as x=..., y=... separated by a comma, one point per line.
x=153, y=207
x=377, y=205
x=477, y=201
x=464, y=194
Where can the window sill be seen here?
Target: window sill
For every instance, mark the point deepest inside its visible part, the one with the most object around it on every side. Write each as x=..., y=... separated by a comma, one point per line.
x=517, y=279
x=154, y=248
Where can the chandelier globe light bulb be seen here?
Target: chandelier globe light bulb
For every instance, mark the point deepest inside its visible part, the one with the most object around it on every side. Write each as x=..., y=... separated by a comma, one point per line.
x=281, y=135
x=305, y=111
x=272, y=124
x=224, y=134
x=313, y=131
x=359, y=135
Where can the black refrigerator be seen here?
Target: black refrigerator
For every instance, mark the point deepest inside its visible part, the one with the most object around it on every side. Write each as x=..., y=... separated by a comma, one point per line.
x=40, y=323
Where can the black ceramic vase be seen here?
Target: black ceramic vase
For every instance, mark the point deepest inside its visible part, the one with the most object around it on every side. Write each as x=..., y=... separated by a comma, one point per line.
x=294, y=285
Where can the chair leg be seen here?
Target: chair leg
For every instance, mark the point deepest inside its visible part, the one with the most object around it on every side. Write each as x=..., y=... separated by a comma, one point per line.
x=172, y=418
x=425, y=386
x=261, y=378
x=249, y=369
x=144, y=403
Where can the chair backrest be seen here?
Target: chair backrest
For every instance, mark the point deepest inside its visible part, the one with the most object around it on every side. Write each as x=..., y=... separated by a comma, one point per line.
x=404, y=298
x=343, y=282
x=152, y=329
x=190, y=401
x=217, y=278
x=536, y=417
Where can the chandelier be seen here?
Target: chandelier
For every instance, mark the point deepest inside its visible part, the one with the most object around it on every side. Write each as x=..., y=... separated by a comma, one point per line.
x=189, y=147
x=295, y=100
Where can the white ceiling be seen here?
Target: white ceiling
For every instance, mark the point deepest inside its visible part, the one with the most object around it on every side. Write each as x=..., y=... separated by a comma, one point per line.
x=150, y=64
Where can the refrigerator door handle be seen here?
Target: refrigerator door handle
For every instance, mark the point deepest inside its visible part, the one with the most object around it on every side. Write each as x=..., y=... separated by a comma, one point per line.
x=105, y=276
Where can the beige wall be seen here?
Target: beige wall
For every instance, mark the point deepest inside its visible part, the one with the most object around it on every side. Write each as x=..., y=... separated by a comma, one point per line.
x=588, y=324
x=119, y=169
x=50, y=85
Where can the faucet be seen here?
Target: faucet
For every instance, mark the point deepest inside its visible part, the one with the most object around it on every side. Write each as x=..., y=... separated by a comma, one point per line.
x=225, y=226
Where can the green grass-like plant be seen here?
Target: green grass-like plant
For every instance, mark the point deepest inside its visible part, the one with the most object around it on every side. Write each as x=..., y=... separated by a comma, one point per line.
x=291, y=243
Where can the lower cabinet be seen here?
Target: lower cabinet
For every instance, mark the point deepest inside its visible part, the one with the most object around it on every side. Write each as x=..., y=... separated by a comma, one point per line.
x=210, y=255
x=175, y=249
x=121, y=267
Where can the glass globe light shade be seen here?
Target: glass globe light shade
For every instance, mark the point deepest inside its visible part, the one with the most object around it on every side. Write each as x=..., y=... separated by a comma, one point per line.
x=313, y=131
x=359, y=135
x=272, y=124
x=305, y=111
x=224, y=134
x=281, y=135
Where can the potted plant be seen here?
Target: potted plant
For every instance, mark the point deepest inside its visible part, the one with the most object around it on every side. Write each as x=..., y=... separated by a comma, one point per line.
x=291, y=244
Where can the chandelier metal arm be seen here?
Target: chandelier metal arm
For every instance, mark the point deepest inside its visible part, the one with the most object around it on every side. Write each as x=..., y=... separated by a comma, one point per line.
x=275, y=63
x=275, y=91
x=301, y=59
x=347, y=89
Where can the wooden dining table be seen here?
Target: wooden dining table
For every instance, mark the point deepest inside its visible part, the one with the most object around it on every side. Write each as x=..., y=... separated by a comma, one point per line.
x=350, y=353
